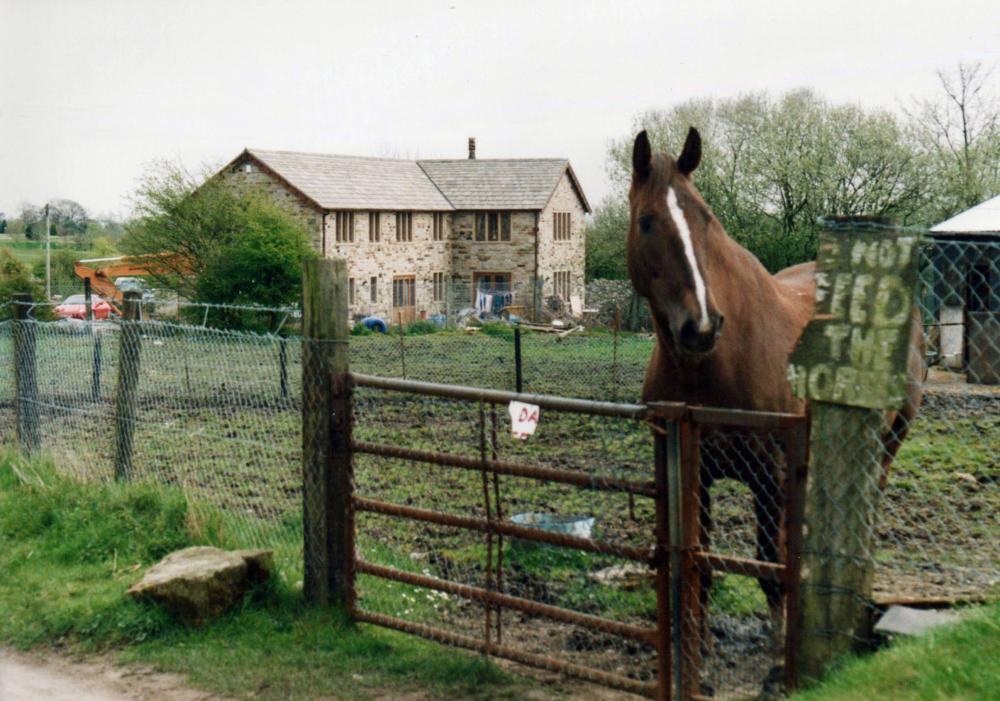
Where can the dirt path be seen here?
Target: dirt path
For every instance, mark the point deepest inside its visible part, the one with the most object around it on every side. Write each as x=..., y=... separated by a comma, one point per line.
x=31, y=677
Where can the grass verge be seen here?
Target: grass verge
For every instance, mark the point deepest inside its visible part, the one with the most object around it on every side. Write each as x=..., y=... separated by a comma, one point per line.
x=69, y=550
x=957, y=662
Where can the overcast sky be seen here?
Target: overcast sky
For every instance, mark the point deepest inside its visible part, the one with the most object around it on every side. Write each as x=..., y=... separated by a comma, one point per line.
x=91, y=91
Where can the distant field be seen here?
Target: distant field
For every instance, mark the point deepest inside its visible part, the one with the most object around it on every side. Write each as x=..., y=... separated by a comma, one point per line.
x=30, y=252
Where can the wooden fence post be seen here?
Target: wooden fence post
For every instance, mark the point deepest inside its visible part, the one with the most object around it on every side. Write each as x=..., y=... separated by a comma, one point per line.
x=95, y=375
x=326, y=459
x=25, y=376
x=129, y=353
x=851, y=363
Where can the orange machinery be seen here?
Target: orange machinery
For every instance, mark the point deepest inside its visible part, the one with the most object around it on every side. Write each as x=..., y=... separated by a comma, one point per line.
x=103, y=271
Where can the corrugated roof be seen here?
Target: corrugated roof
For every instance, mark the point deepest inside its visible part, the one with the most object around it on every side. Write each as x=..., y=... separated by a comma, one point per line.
x=354, y=182
x=984, y=218
x=523, y=183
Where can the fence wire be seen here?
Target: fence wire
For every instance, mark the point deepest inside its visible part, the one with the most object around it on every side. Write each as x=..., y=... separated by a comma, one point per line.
x=217, y=414
x=214, y=414
x=607, y=585
x=735, y=621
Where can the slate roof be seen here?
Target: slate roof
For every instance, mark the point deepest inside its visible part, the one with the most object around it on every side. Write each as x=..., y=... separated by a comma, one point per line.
x=354, y=182
x=983, y=219
x=522, y=183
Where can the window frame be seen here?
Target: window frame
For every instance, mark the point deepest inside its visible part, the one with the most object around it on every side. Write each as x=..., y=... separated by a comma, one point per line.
x=562, y=226
x=562, y=284
x=374, y=227
x=404, y=227
x=492, y=226
x=344, y=226
x=437, y=285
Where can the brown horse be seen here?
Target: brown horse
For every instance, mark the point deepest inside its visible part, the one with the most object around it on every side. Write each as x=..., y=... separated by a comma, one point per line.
x=695, y=277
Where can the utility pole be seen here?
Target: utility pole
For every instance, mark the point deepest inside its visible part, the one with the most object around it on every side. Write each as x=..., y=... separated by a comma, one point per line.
x=48, y=256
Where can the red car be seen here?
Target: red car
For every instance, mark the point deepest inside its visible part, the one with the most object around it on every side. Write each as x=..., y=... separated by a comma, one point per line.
x=75, y=307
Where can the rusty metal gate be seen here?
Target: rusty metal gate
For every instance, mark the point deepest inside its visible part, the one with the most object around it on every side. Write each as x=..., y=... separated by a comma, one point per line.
x=581, y=550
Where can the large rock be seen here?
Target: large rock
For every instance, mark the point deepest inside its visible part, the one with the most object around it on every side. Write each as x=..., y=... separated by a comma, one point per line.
x=201, y=582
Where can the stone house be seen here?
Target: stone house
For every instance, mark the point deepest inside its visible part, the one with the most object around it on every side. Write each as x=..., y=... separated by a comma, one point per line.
x=423, y=237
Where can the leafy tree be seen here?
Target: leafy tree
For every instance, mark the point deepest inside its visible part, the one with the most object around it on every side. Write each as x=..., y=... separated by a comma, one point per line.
x=234, y=244
x=103, y=247
x=68, y=218
x=605, y=238
x=771, y=166
x=959, y=134
x=61, y=265
x=14, y=278
x=32, y=219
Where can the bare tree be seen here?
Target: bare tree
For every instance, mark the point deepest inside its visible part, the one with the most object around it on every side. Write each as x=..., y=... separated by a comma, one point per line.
x=960, y=134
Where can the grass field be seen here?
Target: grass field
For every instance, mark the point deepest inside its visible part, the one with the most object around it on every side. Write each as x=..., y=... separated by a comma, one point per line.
x=214, y=425
x=68, y=551
x=32, y=252
x=958, y=662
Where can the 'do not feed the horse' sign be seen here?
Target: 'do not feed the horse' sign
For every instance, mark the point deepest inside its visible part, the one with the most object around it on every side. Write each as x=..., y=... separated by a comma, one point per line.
x=854, y=350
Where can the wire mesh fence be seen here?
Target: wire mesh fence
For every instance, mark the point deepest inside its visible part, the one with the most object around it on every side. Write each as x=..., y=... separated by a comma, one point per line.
x=210, y=413
x=218, y=414
x=740, y=607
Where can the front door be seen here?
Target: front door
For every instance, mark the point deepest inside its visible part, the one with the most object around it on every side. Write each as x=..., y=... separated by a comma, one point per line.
x=490, y=283
x=404, y=299
x=491, y=292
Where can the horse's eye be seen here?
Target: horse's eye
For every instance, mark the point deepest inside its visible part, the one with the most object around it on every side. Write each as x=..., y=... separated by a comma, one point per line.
x=646, y=223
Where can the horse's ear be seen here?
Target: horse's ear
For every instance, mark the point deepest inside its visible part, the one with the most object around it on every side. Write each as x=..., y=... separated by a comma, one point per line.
x=642, y=157
x=691, y=154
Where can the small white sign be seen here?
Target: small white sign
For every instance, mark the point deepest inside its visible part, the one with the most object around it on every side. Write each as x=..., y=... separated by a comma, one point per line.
x=523, y=419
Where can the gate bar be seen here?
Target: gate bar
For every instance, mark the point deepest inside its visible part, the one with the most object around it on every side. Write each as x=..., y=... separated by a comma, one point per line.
x=644, y=555
x=731, y=564
x=534, y=608
x=549, y=474
x=615, y=681
x=496, y=396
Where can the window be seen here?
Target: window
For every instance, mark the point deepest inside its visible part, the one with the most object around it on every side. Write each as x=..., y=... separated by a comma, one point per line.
x=561, y=282
x=345, y=227
x=404, y=226
x=373, y=284
x=438, y=287
x=374, y=226
x=404, y=291
x=438, y=226
x=351, y=291
x=561, y=226
x=493, y=226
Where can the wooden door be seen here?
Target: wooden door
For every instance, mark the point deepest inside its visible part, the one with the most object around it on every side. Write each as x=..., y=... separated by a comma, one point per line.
x=404, y=299
x=490, y=282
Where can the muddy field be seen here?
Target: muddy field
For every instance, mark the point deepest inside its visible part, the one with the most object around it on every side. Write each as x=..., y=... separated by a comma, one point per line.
x=214, y=421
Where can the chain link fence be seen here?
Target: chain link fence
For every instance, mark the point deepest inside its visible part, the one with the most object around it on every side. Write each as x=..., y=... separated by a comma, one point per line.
x=218, y=415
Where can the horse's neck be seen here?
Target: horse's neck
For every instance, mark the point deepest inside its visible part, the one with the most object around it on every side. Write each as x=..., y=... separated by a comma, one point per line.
x=742, y=286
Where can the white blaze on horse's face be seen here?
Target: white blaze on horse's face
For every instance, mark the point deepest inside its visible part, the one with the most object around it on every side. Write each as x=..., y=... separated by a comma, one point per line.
x=677, y=215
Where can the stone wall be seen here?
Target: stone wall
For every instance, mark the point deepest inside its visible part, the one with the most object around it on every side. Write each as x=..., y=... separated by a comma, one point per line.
x=386, y=258
x=247, y=172
x=606, y=295
x=568, y=255
x=516, y=256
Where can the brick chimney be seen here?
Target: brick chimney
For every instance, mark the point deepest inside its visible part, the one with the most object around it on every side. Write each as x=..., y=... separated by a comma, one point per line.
x=472, y=148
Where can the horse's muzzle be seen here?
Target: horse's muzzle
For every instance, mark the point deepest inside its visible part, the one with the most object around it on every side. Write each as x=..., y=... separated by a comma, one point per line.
x=694, y=339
